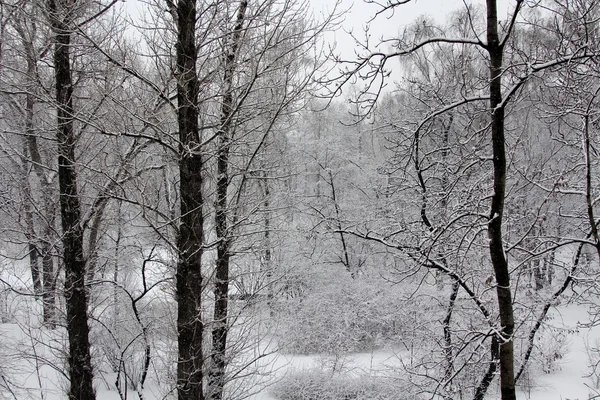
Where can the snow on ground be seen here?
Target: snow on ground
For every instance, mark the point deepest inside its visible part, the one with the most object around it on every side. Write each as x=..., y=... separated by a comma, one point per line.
x=570, y=381
x=358, y=362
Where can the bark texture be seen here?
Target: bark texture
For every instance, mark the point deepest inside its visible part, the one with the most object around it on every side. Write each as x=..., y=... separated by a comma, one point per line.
x=190, y=325
x=216, y=380
x=499, y=262
x=80, y=367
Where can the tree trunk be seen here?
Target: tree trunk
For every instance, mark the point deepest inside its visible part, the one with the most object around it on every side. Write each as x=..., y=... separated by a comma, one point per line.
x=498, y=257
x=267, y=264
x=538, y=273
x=448, y=347
x=49, y=282
x=93, y=241
x=190, y=325
x=46, y=280
x=34, y=253
x=80, y=367
x=489, y=375
x=216, y=380
x=345, y=258
x=30, y=234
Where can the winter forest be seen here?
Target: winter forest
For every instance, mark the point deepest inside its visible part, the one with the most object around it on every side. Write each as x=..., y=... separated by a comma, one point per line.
x=208, y=200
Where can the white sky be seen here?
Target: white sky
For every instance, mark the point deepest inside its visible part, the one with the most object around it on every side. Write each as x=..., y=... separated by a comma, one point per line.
x=389, y=25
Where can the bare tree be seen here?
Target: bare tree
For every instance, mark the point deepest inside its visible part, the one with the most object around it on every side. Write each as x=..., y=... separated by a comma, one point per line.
x=190, y=242
x=80, y=366
x=497, y=53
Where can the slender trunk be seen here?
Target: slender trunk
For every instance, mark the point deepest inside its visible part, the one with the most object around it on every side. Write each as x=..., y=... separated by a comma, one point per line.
x=49, y=281
x=268, y=267
x=116, y=303
x=445, y=187
x=498, y=257
x=115, y=328
x=445, y=148
x=30, y=235
x=220, y=328
x=34, y=262
x=32, y=249
x=190, y=326
x=448, y=352
x=144, y=327
x=46, y=281
x=80, y=366
x=216, y=380
x=489, y=375
x=588, y=181
x=417, y=163
x=93, y=241
x=538, y=275
x=345, y=254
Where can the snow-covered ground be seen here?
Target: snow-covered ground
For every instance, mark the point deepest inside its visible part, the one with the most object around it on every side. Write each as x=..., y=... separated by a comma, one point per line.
x=572, y=379
x=34, y=379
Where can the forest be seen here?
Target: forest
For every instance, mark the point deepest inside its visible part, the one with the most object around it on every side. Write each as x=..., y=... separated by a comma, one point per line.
x=207, y=200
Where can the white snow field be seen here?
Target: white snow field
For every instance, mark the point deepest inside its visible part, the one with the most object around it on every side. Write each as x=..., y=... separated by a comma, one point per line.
x=27, y=354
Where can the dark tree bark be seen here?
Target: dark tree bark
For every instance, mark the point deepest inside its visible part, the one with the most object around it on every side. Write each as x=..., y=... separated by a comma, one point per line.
x=29, y=132
x=190, y=325
x=80, y=367
x=489, y=375
x=499, y=262
x=216, y=380
x=588, y=180
x=49, y=280
x=345, y=258
x=267, y=264
x=30, y=234
x=448, y=347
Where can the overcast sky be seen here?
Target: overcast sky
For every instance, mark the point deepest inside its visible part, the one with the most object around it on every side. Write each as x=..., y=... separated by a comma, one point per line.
x=389, y=25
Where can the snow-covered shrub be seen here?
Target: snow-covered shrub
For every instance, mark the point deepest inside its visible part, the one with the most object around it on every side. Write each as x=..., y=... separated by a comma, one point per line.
x=593, y=354
x=552, y=345
x=316, y=384
x=338, y=317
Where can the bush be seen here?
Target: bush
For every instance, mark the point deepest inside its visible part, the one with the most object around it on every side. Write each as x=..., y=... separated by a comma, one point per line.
x=316, y=384
x=341, y=317
x=552, y=345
